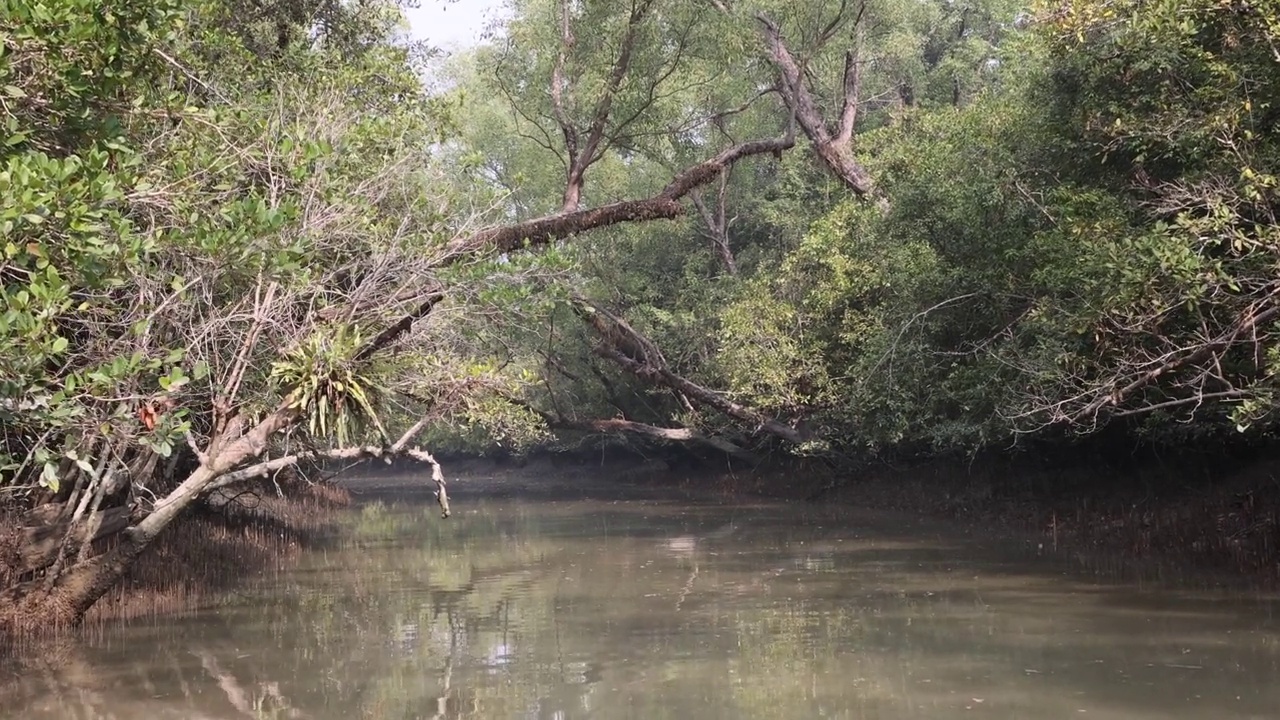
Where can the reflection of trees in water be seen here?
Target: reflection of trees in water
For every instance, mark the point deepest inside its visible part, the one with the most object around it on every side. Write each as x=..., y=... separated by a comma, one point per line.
x=61, y=681
x=498, y=615
x=782, y=654
x=506, y=613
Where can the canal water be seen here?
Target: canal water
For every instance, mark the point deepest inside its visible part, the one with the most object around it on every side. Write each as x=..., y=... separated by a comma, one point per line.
x=601, y=604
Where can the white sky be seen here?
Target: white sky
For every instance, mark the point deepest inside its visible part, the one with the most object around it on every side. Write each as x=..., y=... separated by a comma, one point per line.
x=451, y=25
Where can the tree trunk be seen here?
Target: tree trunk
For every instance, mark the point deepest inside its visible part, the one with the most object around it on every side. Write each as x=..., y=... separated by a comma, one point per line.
x=572, y=199
x=717, y=222
x=40, y=542
x=40, y=605
x=30, y=607
x=834, y=149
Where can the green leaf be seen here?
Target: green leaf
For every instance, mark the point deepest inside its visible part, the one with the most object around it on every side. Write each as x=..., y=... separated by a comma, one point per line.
x=49, y=476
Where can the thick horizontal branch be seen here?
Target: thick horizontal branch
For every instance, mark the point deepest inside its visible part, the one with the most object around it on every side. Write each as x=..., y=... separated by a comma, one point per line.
x=397, y=449
x=665, y=205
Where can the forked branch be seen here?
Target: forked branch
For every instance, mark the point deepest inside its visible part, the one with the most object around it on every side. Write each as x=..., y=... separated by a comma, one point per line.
x=834, y=148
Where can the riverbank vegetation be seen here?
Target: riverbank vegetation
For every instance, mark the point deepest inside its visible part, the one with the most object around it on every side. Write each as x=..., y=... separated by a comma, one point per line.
x=243, y=238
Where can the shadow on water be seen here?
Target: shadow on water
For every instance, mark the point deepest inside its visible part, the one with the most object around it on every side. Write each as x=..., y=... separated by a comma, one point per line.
x=572, y=601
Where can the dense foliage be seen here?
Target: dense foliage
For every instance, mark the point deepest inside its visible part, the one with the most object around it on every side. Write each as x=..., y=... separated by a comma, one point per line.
x=1075, y=227
x=246, y=232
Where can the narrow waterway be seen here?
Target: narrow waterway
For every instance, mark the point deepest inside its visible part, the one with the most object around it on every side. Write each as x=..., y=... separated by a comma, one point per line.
x=644, y=605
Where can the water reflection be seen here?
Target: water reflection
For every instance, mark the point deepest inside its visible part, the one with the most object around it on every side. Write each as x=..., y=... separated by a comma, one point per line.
x=659, y=609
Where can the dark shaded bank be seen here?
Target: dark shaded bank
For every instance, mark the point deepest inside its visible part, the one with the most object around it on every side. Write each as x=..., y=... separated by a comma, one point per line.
x=1196, y=510
x=1203, y=509
x=547, y=476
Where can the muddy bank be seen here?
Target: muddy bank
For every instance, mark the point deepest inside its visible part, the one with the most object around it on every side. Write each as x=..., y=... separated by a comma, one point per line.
x=227, y=539
x=1212, y=513
x=1227, y=524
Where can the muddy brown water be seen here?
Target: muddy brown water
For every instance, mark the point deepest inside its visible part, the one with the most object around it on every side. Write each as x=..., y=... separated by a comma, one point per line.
x=599, y=603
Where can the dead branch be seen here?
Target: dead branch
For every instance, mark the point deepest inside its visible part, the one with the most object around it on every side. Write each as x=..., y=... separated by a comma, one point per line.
x=1156, y=359
x=1117, y=392
x=621, y=425
x=437, y=477
x=676, y=435
x=636, y=354
x=398, y=448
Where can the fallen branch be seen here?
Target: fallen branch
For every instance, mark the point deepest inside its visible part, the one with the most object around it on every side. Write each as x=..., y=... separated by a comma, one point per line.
x=622, y=425
x=678, y=435
x=628, y=349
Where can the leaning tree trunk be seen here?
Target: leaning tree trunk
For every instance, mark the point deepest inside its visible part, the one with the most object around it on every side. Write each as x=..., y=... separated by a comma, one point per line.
x=63, y=599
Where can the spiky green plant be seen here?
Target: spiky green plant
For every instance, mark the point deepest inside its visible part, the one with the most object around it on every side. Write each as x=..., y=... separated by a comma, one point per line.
x=327, y=386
